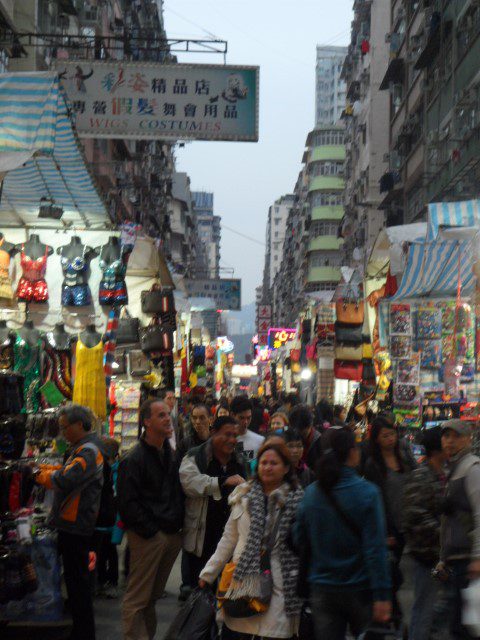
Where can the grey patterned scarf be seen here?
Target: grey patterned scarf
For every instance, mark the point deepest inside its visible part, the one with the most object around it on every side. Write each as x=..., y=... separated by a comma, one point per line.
x=247, y=572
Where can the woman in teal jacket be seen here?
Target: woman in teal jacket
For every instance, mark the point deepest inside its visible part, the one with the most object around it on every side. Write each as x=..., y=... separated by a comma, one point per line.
x=341, y=525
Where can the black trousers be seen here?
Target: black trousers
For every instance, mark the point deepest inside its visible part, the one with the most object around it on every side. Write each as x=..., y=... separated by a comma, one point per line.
x=107, y=561
x=74, y=551
x=336, y=611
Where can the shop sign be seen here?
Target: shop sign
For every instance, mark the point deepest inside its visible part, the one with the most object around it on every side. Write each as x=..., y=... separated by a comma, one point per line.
x=278, y=337
x=244, y=370
x=263, y=326
x=225, y=293
x=164, y=101
x=265, y=311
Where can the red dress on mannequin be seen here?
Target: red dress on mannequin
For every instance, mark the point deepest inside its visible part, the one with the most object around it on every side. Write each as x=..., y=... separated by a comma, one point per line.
x=32, y=286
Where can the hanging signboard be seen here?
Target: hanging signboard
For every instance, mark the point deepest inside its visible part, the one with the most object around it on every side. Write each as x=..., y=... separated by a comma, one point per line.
x=277, y=337
x=226, y=293
x=175, y=101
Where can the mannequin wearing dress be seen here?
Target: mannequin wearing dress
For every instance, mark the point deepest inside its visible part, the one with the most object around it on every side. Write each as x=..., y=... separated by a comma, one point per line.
x=33, y=260
x=7, y=251
x=7, y=338
x=57, y=361
x=113, y=263
x=27, y=355
x=75, y=260
x=90, y=388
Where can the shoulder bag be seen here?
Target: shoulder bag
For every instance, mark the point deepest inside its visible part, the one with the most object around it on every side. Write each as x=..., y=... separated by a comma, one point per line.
x=348, y=370
x=348, y=352
x=128, y=331
x=348, y=333
x=157, y=300
x=156, y=337
x=350, y=312
x=248, y=607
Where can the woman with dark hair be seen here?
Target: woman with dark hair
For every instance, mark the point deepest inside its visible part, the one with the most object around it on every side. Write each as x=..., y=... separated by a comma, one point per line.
x=261, y=509
x=388, y=465
x=340, y=529
x=323, y=415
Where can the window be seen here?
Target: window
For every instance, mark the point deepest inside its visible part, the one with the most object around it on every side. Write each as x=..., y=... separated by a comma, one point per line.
x=331, y=137
x=326, y=259
x=327, y=199
x=328, y=168
x=277, y=221
x=276, y=234
x=324, y=228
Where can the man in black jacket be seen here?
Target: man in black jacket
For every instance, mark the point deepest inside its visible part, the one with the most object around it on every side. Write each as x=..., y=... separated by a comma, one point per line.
x=150, y=502
x=301, y=419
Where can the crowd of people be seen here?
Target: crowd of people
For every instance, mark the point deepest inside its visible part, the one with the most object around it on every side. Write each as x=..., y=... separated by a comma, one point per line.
x=290, y=515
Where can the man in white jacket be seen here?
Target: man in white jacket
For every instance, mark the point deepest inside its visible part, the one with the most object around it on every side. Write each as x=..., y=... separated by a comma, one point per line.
x=208, y=475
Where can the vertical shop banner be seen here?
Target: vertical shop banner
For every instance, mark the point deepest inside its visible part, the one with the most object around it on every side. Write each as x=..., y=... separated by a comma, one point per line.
x=150, y=100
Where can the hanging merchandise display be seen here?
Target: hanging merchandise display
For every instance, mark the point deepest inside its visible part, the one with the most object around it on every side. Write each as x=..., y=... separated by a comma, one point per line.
x=75, y=261
x=113, y=263
x=7, y=251
x=90, y=387
x=32, y=286
x=26, y=354
x=57, y=362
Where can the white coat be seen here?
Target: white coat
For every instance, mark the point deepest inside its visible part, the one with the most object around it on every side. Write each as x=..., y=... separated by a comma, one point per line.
x=274, y=622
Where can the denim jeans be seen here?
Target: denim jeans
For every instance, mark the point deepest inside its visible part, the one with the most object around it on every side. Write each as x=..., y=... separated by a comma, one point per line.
x=425, y=595
x=336, y=611
x=447, y=614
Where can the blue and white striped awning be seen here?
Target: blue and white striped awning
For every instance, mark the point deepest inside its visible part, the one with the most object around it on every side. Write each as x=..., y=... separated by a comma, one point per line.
x=432, y=269
x=35, y=124
x=452, y=214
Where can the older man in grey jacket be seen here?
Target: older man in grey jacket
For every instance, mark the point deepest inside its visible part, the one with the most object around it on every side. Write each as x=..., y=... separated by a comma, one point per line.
x=460, y=530
x=208, y=475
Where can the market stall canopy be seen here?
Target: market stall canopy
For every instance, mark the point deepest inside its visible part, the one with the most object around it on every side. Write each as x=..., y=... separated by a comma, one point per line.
x=433, y=268
x=148, y=260
x=452, y=214
x=42, y=156
x=388, y=248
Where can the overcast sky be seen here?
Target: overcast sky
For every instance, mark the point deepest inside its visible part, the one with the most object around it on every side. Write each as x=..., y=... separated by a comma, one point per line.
x=280, y=36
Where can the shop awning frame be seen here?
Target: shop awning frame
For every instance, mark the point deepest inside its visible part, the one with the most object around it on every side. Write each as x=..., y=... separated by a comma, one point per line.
x=54, y=169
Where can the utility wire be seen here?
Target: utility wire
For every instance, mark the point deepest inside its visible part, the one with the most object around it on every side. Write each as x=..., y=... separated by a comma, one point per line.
x=195, y=24
x=262, y=244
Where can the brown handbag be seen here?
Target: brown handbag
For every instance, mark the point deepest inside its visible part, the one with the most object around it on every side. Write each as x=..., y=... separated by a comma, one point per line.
x=350, y=312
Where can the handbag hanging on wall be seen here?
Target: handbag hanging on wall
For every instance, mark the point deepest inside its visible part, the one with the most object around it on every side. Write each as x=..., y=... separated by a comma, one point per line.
x=346, y=370
x=348, y=333
x=348, y=352
x=157, y=300
x=350, y=312
x=155, y=337
x=128, y=331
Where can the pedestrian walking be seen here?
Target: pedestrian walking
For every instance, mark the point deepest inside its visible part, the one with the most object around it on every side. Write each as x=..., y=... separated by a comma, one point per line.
x=340, y=530
x=77, y=488
x=422, y=504
x=294, y=442
x=150, y=502
x=262, y=508
x=388, y=466
x=199, y=431
x=278, y=423
x=208, y=474
x=301, y=420
x=460, y=531
x=248, y=442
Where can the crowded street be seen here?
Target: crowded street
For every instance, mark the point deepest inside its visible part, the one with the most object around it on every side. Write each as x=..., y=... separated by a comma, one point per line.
x=239, y=320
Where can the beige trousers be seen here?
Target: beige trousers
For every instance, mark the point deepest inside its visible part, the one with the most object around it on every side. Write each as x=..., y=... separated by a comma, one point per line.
x=151, y=561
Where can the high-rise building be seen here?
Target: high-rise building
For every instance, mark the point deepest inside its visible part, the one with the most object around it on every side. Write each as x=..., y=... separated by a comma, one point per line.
x=209, y=232
x=329, y=87
x=275, y=235
x=367, y=117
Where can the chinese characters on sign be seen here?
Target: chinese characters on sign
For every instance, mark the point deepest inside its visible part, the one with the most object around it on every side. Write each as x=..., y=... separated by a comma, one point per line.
x=225, y=293
x=277, y=337
x=145, y=100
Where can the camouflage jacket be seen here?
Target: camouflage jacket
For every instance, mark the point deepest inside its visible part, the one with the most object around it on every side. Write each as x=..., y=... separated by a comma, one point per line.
x=422, y=506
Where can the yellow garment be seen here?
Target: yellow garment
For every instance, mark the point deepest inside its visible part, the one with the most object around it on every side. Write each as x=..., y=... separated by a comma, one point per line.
x=90, y=389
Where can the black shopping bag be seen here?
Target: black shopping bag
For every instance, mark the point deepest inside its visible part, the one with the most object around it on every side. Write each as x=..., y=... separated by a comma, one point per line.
x=196, y=618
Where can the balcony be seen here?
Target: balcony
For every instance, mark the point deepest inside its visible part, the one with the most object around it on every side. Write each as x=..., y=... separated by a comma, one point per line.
x=325, y=243
x=327, y=213
x=327, y=152
x=324, y=274
x=326, y=183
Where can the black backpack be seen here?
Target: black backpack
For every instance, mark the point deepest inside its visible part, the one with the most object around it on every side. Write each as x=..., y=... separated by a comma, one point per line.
x=107, y=512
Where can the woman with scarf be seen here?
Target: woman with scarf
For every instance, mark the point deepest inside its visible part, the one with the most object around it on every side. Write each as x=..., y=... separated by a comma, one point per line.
x=264, y=506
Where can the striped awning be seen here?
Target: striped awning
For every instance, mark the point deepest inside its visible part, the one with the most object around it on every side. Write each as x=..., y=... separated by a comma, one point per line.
x=452, y=214
x=35, y=127
x=433, y=267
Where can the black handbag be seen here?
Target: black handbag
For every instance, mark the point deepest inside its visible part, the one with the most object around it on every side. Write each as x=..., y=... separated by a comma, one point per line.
x=128, y=331
x=156, y=338
x=157, y=300
x=139, y=364
x=348, y=333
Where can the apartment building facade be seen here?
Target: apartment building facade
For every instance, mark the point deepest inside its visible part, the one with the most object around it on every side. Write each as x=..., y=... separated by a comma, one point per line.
x=366, y=118
x=329, y=85
x=209, y=232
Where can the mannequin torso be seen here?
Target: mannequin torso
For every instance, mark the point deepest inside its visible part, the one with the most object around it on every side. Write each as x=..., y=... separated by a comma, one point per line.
x=113, y=263
x=76, y=258
x=7, y=338
x=59, y=339
x=34, y=248
x=90, y=336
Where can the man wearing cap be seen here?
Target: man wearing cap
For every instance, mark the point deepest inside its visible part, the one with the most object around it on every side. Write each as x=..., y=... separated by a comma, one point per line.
x=460, y=529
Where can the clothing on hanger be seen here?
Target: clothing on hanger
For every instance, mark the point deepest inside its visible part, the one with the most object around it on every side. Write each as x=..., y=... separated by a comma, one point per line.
x=89, y=388
x=32, y=286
